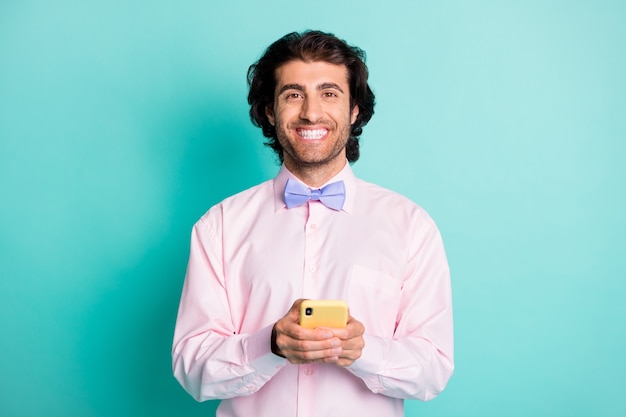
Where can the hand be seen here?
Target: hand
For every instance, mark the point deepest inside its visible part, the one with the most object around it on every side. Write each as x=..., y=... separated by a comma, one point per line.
x=352, y=342
x=301, y=345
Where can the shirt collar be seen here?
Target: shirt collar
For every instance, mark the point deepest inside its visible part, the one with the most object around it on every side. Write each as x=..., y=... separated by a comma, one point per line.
x=346, y=175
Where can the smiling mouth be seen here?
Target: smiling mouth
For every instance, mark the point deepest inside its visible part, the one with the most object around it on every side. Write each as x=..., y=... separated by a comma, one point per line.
x=312, y=134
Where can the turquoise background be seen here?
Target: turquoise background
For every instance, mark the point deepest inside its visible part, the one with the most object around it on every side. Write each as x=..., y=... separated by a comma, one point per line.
x=122, y=122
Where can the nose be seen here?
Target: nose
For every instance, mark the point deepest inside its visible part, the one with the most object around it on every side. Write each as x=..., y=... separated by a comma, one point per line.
x=311, y=109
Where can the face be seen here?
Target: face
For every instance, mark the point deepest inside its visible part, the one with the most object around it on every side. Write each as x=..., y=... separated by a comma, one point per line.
x=312, y=115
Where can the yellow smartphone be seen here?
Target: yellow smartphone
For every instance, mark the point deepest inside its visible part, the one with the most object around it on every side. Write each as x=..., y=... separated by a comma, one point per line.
x=323, y=313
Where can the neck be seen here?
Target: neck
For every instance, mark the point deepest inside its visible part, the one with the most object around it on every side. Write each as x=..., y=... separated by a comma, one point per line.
x=315, y=176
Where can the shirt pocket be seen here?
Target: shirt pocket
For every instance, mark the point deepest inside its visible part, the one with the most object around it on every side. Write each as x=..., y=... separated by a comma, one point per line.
x=374, y=299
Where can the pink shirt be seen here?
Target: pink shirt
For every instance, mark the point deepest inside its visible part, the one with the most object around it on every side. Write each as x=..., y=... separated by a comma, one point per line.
x=251, y=258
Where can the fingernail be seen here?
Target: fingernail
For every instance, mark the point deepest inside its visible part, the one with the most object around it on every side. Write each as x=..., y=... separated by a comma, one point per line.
x=335, y=343
x=337, y=351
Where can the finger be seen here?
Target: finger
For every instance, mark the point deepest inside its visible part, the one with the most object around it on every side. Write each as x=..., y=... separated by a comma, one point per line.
x=304, y=351
x=287, y=343
x=348, y=356
x=297, y=332
x=296, y=305
x=352, y=342
x=308, y=356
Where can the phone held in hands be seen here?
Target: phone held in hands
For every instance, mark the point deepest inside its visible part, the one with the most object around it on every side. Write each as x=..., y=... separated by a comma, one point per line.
x=323, y=313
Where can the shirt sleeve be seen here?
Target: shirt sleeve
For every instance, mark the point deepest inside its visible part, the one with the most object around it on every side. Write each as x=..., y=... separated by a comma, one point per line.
x=417, y=362
x=209, y=358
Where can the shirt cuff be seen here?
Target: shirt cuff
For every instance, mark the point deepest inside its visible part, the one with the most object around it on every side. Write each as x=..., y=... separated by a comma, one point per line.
x=369, y=366
x=258, y=351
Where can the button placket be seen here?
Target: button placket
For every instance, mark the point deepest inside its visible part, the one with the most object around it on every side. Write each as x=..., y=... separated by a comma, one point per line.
x=313, y=242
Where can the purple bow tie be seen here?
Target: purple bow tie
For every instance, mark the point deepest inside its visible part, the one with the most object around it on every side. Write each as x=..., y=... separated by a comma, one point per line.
x=332, y=196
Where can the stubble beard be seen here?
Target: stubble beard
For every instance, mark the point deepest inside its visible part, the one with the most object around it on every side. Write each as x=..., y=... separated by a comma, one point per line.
x=312, y=156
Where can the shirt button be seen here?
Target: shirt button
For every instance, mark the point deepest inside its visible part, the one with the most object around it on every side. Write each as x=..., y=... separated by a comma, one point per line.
x=313, y=226
x=308, y=371
x=312, y=268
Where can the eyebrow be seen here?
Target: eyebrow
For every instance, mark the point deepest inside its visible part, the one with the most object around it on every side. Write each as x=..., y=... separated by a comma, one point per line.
x=300, y=87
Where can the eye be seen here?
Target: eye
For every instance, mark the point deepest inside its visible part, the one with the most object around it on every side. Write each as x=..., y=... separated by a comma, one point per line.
x=329, y=94
x=293, y=96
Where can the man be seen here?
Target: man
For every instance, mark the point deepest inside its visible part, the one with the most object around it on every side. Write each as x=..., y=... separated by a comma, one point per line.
x=257, y=254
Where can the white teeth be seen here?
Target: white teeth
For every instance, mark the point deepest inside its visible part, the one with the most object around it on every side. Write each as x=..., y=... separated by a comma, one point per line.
x=312, y=134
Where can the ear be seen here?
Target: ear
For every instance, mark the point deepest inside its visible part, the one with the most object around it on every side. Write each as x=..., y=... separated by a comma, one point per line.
x=269, y=112
x=355, y=113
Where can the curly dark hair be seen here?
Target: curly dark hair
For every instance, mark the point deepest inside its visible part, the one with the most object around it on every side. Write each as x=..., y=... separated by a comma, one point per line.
x=309, y=46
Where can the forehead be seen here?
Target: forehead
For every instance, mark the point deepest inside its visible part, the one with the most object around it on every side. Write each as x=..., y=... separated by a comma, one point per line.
x=311, y=73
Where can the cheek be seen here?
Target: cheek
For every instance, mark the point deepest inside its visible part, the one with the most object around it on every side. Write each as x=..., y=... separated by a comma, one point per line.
x=285, y=115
